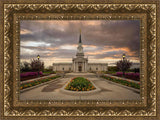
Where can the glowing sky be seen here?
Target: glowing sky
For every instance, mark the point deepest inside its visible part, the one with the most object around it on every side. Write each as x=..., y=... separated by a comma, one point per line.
x=56, y=40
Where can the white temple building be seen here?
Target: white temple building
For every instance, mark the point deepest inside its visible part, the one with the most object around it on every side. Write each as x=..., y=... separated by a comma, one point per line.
x=80, y=63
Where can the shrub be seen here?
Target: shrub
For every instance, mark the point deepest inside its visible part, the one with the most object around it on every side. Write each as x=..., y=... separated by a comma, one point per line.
x=30, y=74
x=112, y=68
x=119, y=73
x=133, y=76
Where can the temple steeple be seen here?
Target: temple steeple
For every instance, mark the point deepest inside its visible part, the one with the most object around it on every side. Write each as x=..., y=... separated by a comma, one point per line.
x=80, y=41
x=80, y=48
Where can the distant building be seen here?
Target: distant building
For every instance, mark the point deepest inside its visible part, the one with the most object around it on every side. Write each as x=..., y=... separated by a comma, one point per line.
x=80, y=63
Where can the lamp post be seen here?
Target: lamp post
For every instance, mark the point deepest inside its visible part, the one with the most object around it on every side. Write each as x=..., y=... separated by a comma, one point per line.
x=38, y=56
x=123, y=64
x=124, y=56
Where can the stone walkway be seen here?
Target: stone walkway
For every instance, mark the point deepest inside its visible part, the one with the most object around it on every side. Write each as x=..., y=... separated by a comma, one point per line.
x=109, y=90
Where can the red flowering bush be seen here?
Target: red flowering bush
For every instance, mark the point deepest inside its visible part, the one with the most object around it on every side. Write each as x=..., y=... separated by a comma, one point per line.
x=26, y=74
x=133, y=76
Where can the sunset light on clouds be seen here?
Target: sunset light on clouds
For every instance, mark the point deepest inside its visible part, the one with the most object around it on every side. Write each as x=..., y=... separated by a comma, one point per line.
x=56, y=40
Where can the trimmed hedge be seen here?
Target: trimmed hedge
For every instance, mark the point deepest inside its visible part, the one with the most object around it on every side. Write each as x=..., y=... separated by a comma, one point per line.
x=26, y=74
x=133, y=76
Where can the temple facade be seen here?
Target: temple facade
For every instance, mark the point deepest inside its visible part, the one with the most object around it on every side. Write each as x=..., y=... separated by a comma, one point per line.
x=80, y=63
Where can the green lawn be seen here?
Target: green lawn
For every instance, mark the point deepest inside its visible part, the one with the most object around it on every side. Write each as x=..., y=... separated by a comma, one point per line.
x=110, y=72
x=47, y=72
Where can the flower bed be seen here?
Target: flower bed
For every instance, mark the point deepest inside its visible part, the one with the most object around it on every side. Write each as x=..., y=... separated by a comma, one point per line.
x=133, y=76
x=80, y=84
x=123, y=82
x=26, y=74
x=32, y=75
x=36, y=82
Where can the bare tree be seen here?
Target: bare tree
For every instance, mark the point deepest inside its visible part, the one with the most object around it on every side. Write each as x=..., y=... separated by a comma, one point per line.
x=37, y=65
x=124, y=65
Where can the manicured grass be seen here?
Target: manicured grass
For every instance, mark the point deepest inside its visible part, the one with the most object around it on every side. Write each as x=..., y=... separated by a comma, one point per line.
x=123, y=82
x=80, y=84
x=36, y=82
x=48, y=72
x=110, y=72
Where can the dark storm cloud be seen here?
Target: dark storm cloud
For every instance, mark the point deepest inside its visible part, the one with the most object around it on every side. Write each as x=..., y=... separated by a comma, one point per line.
x=118, y=34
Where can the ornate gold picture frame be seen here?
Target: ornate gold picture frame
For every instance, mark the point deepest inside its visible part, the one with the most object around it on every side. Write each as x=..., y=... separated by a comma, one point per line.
x=12, y=12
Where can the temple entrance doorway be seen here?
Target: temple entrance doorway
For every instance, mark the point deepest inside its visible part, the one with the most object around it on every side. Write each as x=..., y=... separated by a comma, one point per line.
x=80, y=68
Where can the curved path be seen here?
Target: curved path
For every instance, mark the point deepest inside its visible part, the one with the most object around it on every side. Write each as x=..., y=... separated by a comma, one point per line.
x=109, y=90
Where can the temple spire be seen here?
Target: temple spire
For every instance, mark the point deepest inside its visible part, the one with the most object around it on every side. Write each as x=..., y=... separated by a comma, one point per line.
x=80, y=41
x=80, y=48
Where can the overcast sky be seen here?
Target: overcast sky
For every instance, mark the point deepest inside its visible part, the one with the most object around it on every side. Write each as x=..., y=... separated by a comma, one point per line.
x=56, y=40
